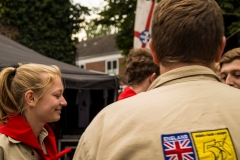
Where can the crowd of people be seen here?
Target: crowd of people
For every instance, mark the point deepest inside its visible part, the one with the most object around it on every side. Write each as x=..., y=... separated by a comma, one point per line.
x=187, y=112
x=179, y=104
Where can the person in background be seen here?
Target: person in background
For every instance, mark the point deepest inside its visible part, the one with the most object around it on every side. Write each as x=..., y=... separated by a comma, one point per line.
x=217, y=70
x=141, y=72
x=30, y=97
x=187, y=112
x=229, y=67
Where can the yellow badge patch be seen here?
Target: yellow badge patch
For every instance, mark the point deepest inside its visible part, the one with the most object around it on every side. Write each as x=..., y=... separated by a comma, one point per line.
x=214, y=144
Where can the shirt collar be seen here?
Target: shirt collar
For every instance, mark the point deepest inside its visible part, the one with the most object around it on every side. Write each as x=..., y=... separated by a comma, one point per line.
x=188, y=72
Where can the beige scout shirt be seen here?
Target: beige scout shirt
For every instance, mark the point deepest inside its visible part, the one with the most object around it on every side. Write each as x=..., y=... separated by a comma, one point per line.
x=188, y=113
x=11, y=149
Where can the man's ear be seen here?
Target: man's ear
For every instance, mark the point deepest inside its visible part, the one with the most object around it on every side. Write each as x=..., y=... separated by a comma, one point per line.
x=30, y=98
x=152, y=77
x=220, y=49
x=154, y=54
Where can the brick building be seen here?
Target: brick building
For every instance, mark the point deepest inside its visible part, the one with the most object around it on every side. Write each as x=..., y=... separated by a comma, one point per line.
x=101, y=54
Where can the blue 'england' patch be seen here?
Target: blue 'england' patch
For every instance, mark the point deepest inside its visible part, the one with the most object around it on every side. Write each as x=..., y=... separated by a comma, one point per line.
x=178, y=146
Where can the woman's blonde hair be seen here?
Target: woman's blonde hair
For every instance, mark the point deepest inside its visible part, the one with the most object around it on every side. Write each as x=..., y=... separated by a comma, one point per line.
x=15, y=82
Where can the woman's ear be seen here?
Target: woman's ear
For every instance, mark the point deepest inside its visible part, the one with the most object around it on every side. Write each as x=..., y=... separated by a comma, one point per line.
x=154, y=54
x=30, y=98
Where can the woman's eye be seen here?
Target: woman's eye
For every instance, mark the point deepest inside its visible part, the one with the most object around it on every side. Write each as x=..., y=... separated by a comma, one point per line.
x=58, y=96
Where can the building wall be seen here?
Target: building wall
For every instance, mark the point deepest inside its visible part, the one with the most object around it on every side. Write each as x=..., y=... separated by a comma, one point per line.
x=122, y=70
x=96, y=66
x=100, y=66
x=122, y=66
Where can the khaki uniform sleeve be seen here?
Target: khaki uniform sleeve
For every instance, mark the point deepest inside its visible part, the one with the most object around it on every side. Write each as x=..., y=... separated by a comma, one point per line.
x=3, y=141
x=81, y=152
x=1, y=153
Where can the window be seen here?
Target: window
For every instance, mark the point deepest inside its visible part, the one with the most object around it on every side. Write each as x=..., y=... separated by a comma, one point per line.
x=82, y=66
x=112, y=67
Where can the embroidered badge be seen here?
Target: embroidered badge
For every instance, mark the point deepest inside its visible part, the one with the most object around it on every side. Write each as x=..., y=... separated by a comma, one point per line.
x=178, y=146
x=214, y=144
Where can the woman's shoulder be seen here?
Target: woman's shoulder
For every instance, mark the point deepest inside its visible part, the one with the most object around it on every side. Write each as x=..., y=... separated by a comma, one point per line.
x=13, y=149
x=4, y=146
x=6, y=140
x=3, y=139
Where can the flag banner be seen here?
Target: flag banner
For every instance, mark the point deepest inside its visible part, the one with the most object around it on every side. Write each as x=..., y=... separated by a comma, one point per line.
x=142, y=26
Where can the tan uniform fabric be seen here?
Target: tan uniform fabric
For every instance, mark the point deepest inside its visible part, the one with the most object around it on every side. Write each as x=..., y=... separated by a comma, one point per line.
x=11, y=149
x=187, y=99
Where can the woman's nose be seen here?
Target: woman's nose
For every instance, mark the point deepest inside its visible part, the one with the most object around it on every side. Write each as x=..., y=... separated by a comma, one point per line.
x=63, y=102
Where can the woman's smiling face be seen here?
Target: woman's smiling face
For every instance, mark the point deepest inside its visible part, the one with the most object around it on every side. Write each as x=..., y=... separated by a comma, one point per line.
x=49, y=106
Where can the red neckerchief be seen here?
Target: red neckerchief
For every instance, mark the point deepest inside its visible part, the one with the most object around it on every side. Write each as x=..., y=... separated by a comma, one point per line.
x=128, y=92
x=19, y=129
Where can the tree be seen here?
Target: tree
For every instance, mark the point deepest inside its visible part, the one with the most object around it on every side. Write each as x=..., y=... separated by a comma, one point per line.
x=45, y=26
x=93, y=30
x=121, y=14
x=231, y=12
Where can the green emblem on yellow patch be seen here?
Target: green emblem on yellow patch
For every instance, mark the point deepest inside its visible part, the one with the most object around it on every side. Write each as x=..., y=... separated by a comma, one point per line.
x=214, y=145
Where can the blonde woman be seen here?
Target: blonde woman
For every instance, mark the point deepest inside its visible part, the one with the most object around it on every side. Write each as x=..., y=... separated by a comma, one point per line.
x=30, y=97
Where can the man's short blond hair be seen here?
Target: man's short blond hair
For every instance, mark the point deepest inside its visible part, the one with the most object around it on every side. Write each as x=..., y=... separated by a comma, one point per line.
x=230, y=56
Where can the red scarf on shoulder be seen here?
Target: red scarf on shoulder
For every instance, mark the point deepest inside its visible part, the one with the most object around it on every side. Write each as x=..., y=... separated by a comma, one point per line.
x=19, y=129
x=128, y=92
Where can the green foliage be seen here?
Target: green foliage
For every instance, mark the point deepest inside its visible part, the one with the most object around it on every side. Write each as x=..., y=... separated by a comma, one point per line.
x=1, y=10
x=121, y=14
x=45, y=26
x=231, y=8
x=93, y=30
x=231, y=12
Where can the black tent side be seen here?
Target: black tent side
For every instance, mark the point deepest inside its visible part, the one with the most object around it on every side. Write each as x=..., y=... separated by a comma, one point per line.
x=13, y=53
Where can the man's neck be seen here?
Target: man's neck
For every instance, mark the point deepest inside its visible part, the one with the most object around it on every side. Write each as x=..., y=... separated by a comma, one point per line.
x=142, y=87
x=164, y=69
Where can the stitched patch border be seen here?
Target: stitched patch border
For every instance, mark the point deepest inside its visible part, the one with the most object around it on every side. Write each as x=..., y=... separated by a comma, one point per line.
x=214, y=144
x=178, y=146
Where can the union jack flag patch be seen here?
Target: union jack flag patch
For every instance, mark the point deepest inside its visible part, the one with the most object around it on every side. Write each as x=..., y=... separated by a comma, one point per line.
x=178, y=146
